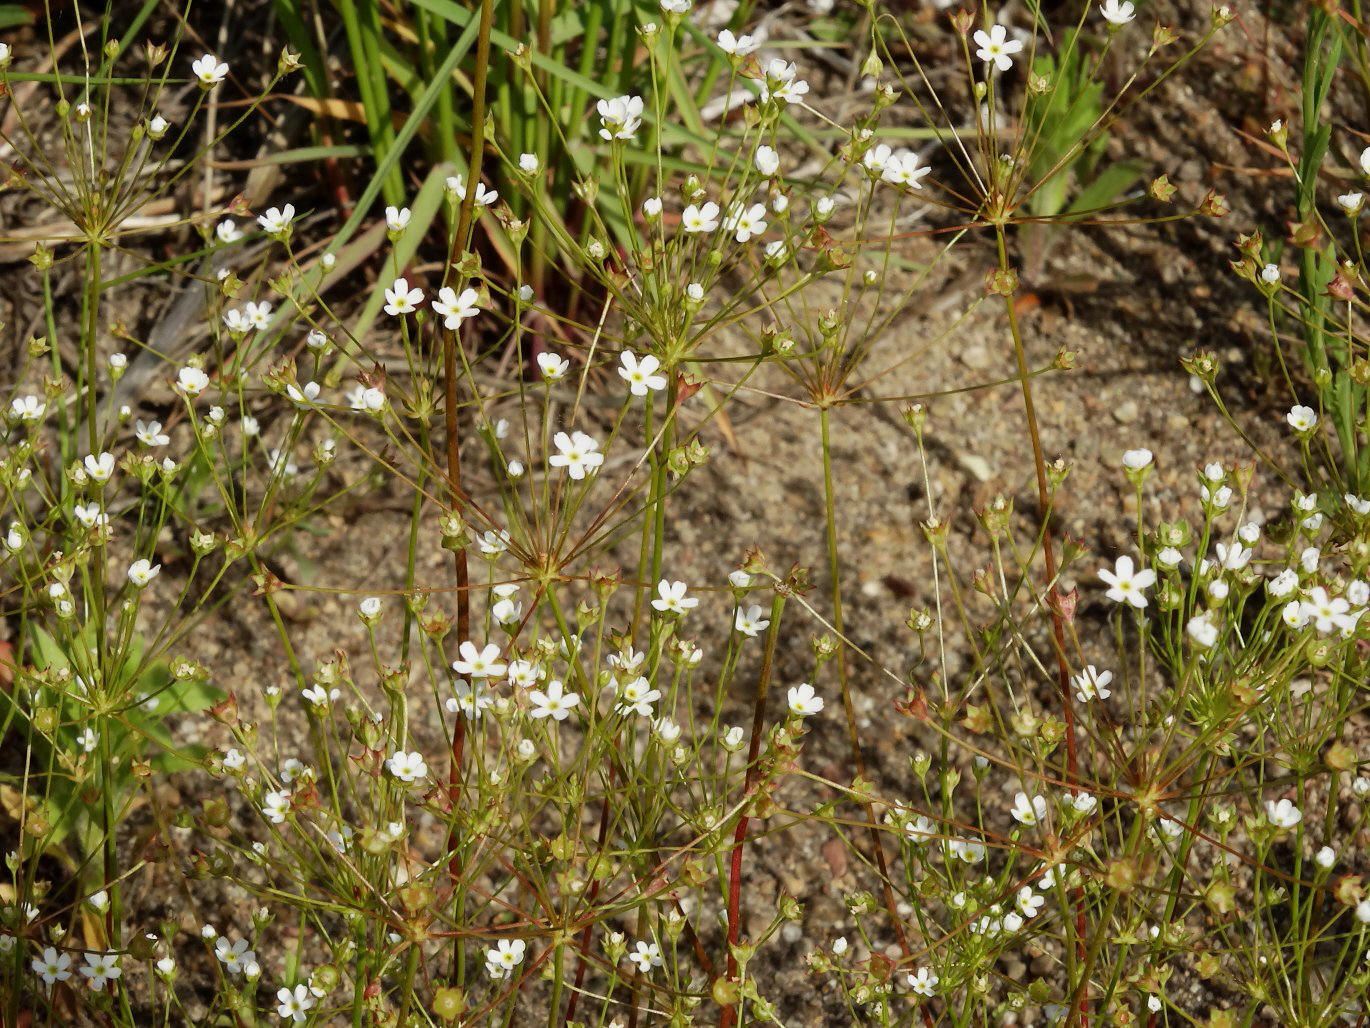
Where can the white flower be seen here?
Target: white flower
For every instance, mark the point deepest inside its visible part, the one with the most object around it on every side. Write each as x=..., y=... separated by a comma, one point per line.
x=209, y=70
x=924, y=982
x=695, y=218
x=736, y=46
x=1301, y=419
x=903, y=168
x=99, y=468
x=1357, y=504
x=492, y=543
x=1325, y=857
x=1135, y=460
x=456, y=185
x=276, y=222
x=1092, y=684
x=27, y=408
x=1294, y=615
x=1029, y=902
x=780, y=83
x=235, y=956
x=1234, y=557
x=1351, y=203
x=143, y=571
x=1283, y=584
x=554, y=703
x=529, y=163
x=294, y=1004
x=767, y=161
x=577, y=453
x=749, y=622
x=671, y=598
x=276, y=805
x=1028, y=811
x=1169, y=558
x=397, y=218
x=454, y=308
x=483, y=663
x=100, y=968
x=839, y=945
x=1203, y=629
x=370, y=608
x=620, y=117
x=651, y=208
x=552, y=366
x=676, y=6
x=640, y=374
x=746, y=222
x=52, y=966
x=1125, y=584
x=994, y=47
x=317, y=696
x=150, y=433
x=366, y=399
x=1282, y=814
x=637, y=696
x=646, y=955
x=302, y=395
x=228, y=231
x=1327, y=613
x=803, y=701
x=1116, y=13
x=407, y=767
x=1365, y=160
x=401, y=299
x=503, y=957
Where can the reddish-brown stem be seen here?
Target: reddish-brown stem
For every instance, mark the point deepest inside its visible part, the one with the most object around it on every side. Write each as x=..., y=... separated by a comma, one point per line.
x=729, y=1014
x=449, y=366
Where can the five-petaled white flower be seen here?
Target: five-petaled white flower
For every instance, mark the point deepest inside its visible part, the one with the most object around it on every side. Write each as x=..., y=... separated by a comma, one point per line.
x=1028, y=811
x=736, y=46
x=1092, y=684
x=52, y=966
x=1327, y=613
x=994, y=47
x=397, y=218
x=401, y=299
x=1282, y=814
x=100, y=968
x=276, y=221
x=1301, y=419
x=637, y=696
x=640, y=373
x=646, y=955
x=294, y=1003
x=482, y=663
x=803, y=701
x=1125, y=584
x=578, y=453
x=555, y=702
x=503, y=957
x=924, y=982
x=235, y=956
x=749, y=622
x=671, y=598
x=620, y=117
x=191, y=381
x=407, y=767
x=150, y=433
x=455, y=308
x=1135, y=460
x=209, y=70
x=142, y=571
x=696, y=218
x=746, y=222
